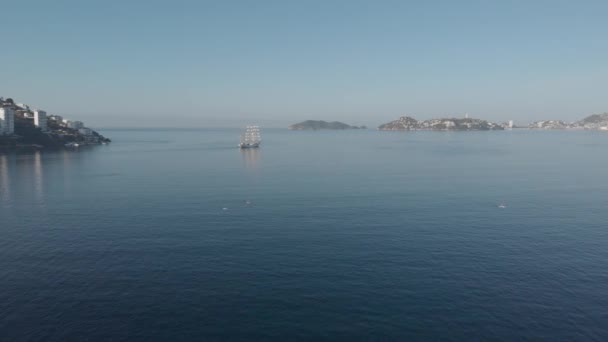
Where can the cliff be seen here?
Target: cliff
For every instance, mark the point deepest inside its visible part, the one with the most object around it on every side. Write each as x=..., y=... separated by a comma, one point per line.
x=57, y=134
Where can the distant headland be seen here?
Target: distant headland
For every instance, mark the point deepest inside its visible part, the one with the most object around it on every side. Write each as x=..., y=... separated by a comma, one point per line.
x=406, y=123
x=592, y=122
x=24, y=128
x=320, y=124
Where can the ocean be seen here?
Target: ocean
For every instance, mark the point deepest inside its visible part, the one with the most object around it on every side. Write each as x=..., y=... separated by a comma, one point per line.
x=177, y=235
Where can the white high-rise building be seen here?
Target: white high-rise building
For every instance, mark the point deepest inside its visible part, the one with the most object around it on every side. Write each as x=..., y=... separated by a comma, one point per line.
x=510, y=123
x=7, y=121
x=40, y=120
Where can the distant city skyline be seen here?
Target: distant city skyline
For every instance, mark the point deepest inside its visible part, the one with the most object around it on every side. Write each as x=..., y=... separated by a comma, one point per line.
x=274, y=63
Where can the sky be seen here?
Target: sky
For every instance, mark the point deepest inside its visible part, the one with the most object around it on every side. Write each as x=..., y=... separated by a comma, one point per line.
x=231, y=63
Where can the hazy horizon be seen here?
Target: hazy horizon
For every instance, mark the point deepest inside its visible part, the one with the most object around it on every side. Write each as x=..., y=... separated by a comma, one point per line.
x=159, y=64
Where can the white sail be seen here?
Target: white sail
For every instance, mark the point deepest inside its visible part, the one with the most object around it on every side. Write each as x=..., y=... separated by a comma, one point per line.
x=251, y=137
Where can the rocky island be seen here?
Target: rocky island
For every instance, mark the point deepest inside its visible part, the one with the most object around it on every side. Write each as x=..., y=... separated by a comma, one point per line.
x=592, y=122
x=23, y=128
x=320, y=124
x=407, y=123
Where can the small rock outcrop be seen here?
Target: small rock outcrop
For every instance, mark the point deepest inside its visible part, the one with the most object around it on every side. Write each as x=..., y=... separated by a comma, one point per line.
x=320, y=124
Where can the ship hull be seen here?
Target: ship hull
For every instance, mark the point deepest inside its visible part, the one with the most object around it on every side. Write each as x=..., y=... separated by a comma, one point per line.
x=248, y=145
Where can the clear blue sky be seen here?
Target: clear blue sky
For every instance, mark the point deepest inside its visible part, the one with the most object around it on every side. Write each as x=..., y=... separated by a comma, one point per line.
x=227, y=63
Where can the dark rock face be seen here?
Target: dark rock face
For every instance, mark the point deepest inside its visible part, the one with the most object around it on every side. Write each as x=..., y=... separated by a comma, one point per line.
x=407, y=123
x=320, y=124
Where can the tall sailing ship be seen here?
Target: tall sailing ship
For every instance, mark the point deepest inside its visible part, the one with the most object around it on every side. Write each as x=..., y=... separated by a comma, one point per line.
x=251, y=138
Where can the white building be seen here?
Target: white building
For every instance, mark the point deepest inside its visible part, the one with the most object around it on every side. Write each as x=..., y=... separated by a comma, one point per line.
x=7, y=121
x=56, y=118
x=73, y=124
x=40, y=120
x=510, y=123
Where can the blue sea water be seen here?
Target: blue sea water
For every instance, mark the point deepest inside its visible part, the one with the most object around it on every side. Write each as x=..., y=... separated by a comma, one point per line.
x=349, y=235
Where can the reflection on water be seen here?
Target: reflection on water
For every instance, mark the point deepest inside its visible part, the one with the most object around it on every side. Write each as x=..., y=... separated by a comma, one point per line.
x=251, y=157
x=31, y=174
x=38, y=178
x=5, y=190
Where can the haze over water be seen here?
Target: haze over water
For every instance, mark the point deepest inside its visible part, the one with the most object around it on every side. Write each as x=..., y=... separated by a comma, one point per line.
x=351, y=235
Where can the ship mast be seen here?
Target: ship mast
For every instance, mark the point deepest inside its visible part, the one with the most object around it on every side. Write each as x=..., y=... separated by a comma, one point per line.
x=251, y=136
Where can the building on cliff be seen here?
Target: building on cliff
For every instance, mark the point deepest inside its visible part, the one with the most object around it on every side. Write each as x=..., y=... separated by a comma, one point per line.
x=56, y=118
x=7, y=121
x=73, y=124
x=40, y=120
